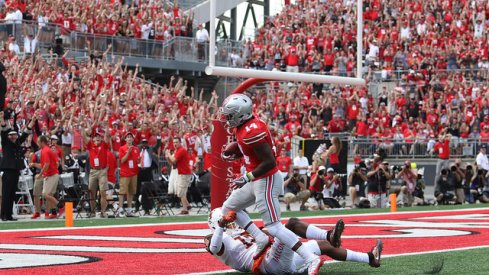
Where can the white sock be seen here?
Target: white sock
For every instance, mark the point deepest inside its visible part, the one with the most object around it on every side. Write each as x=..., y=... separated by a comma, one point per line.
x=242, y=220
x=316, y=233
x=359, y=257
x=306, y=253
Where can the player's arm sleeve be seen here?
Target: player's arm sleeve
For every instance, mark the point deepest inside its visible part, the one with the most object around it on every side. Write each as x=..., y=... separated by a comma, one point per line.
x=216, y=241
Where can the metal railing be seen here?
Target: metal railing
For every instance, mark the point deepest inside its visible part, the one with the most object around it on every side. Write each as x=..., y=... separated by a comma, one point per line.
x=415, y=148
x=397, y=149
x=178, y=48
x=476, y=75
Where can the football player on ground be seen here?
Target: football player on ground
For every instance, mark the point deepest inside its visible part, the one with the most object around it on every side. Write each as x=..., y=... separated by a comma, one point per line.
x=262, y=184
x=235, y=247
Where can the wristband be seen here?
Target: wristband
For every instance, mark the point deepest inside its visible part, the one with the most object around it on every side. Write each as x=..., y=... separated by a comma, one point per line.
x=250, y=176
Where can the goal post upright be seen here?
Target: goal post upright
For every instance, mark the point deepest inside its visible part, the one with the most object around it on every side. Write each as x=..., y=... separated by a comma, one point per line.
x=221, y=171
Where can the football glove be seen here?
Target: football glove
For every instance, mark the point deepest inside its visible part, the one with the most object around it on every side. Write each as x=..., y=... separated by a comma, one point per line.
x=241, y=181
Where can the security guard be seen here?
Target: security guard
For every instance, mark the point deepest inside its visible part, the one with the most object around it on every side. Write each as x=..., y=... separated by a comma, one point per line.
x=11, y=164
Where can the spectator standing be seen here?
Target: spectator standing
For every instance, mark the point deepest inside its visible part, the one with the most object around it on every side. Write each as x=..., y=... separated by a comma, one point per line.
x=481, y=159
x=38, y=185
x=129, y=156
x=58, y=151
x=181, y=160
x=284, y=163
x=98, y=148
x=377, y=184
x=333, y=152
x=147, y=163
x=292, y=61
x=202, y=37
x=442, y=147
x=50, y=176
x=30, y=43
x=302, y=163
x=11, y=164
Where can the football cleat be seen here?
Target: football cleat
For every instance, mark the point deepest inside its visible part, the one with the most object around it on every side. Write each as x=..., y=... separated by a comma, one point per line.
x=314, y=266
x=335, y=234
x=375, y=253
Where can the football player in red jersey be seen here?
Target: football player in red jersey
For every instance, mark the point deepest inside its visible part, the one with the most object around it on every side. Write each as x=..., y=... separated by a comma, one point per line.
x=262, y=183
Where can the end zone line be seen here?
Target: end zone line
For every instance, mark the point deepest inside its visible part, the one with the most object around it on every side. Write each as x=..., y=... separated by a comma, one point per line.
x=181, y=223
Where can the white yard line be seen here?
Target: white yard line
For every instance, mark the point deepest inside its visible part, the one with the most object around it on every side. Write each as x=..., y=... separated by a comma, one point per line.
x=180, y=223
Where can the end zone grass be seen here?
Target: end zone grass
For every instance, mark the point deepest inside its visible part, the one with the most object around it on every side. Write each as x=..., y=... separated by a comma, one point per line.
x=469, y=261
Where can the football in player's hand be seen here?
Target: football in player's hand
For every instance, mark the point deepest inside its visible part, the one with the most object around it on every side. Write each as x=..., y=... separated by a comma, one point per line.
x=232, y=151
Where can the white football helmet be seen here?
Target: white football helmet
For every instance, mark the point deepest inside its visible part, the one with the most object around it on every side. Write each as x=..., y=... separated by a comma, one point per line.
x=236, y=109
x=215, y=216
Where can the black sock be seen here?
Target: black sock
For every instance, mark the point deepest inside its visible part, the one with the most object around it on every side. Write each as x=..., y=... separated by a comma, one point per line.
x=60, y=204
x=53, y=211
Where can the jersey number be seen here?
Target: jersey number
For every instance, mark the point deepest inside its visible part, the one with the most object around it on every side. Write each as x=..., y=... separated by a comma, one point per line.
x=250, y=127
x=246, y=241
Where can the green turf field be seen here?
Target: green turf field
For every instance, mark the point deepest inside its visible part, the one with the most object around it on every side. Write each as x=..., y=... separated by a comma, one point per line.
x=28, y=224
x=459, y=262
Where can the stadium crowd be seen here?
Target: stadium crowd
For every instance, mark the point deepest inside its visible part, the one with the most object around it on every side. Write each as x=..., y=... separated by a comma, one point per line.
x=143, y=19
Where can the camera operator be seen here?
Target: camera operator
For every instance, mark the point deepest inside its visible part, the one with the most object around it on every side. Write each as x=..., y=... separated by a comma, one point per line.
x=470, y=175
x=295, y=189
x=377, y=183
x=480, y=186
x=444, y=188
x=418, y=193
x=458, y=178
x=409, y=177
x=316, y=186
x=356, y=183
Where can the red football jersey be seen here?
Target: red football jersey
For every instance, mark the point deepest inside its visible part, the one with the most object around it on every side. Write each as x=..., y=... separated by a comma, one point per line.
x=250, y=134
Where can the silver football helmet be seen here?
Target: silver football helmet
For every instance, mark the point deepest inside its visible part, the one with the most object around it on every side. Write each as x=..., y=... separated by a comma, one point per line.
x=215, y=215
x=236, y=109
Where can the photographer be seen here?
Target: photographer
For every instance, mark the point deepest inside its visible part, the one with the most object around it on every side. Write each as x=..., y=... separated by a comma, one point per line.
x=295, y=189
x=418, y=193
x=377, y=184
x=470, y=175
x=317, y=184
x=356, y=183
x=444, y=188
x=458, y=178
x=409, y=177
x=480, y=186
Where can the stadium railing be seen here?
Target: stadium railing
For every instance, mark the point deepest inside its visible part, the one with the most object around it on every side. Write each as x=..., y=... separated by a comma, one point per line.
x=178, y=48
x=399, y=149
x=415, y=148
